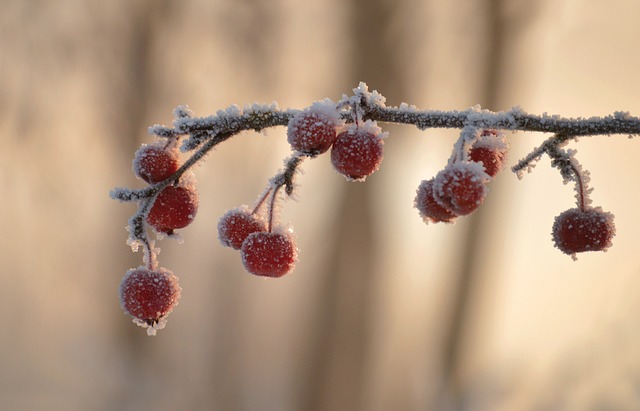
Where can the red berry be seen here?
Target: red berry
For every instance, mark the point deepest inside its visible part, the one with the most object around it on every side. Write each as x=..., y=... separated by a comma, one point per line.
x=149, y=296
x=428, y=207
x=357, y=152
x=175, y=207
x=577, y=231
x=461, y=187
x=491, y=150
x=153, y=163
x=491, y=160
x=236, y=225
x=311, y=132
x=269, y=254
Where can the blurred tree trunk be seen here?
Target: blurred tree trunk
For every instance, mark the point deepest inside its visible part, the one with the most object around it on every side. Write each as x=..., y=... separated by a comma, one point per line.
x=339, y=354
x=497, y=41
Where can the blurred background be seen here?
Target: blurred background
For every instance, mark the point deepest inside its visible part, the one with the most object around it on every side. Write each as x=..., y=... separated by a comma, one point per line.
x=382, y=312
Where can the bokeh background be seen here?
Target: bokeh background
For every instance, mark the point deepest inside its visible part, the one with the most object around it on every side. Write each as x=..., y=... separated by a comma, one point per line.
x=382, y=312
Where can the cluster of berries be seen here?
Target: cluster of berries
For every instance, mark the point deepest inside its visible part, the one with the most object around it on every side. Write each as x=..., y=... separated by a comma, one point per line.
x=461, y=187
x=176, y=205
x=149, y=293
x=267, y=249
x=356, y=150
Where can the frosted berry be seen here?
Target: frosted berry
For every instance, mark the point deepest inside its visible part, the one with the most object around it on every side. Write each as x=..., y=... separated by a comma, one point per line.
x=491, y=150
x=577, y=231
x=269, y=254
x=357, y=152
x=428, y=207
x=175, y=207
x=149, y=296
x=236, y=225
x=461, y=187
x=154, y=164
x=311, y=132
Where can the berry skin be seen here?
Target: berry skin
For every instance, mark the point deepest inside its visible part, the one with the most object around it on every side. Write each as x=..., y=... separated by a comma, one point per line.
x=311, y=132
x=576, y=231
x=357, y=152
x=428, y=207
x=149, y=296
x=269, y=254
x=461, y=187
x=175, y=207
x=154, y=164
x=491, y=150
x=236, y=225
x=491, y=160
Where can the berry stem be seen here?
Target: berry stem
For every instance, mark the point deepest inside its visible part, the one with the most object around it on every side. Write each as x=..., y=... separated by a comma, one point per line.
x=261, y=199
x=284, y=178
x=580, y=186
x=272, y=205
x=150, y=257
x=563, y=160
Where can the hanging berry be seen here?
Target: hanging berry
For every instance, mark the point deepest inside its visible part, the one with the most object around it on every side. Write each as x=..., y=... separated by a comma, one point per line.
x=358, y=151
x=154, y=163
x=149, y=296
x=174, y=208
x=269, y=254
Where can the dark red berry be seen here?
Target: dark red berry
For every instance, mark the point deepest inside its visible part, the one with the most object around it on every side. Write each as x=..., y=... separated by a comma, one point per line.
x=577, y=231
x=490, y=149
x=428, y=207
x=461, y=187
x=149, y=296
x=269, y=254
x=175, y=207
x=236, y=225
x=490, y=159
x=154, y=164
x=311, y=132
x=357, y=152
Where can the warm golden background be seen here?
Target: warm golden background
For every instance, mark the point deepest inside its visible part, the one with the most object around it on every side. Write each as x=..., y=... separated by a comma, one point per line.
x=382, y=312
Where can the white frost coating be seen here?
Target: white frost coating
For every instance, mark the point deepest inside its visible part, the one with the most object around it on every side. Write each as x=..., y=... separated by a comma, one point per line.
x=371, y=127
x=152, y=329
x=373, y=98
x=260, y=108
x=182, y=111
x=231, y=111
x=493, y=139
x=408, y=109
x=326, y=108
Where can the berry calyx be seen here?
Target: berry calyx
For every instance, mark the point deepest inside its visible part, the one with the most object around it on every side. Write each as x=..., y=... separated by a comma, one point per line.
x=490, y=149
x=236, y=225
x=311, y=132
x=578, y=230
x=429, y=208
x=149, y=296
x=461, y=187
x=358, y=151
x=153, y=163
x=269, y=254
x=175, y=207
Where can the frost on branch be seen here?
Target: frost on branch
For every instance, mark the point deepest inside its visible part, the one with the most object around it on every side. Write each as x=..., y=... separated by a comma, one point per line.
x=351, y=131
